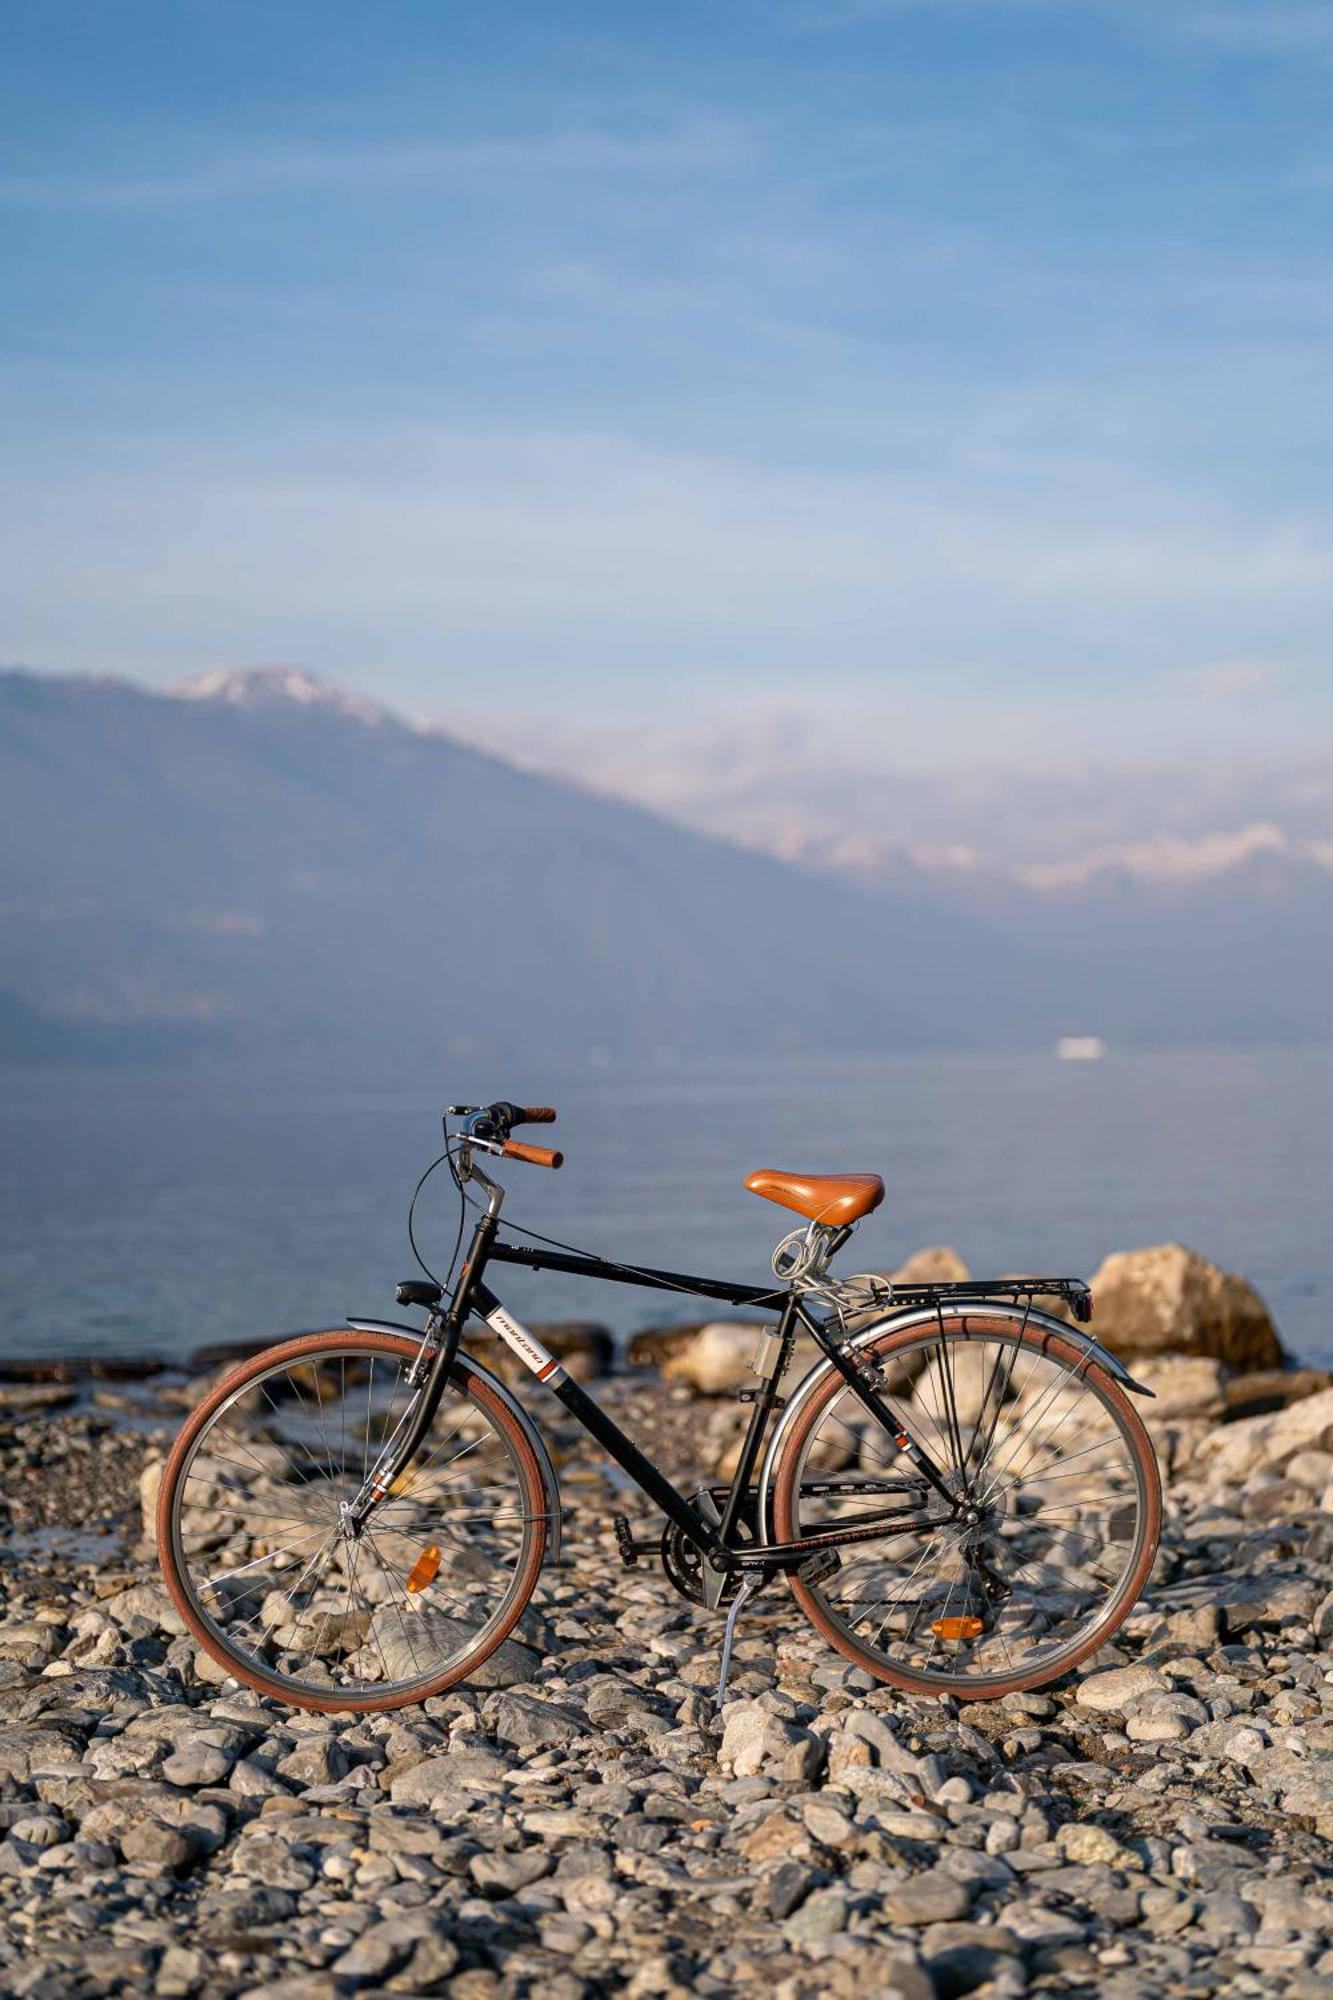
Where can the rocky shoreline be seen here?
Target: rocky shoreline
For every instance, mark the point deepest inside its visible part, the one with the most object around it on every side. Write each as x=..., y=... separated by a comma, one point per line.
x=581, y=1822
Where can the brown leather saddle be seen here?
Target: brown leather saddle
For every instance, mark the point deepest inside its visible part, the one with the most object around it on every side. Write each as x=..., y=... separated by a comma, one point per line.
x=833, y=1199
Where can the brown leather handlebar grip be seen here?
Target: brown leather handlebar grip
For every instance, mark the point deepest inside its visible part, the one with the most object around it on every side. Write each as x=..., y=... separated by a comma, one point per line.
x=536, y=1156
x=538, y=1114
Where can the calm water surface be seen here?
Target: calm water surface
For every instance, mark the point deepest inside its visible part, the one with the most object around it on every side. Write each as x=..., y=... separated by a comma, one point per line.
x=153, y=1211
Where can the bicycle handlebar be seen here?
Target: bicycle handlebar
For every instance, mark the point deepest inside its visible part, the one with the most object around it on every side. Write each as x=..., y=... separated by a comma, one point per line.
x=504, y=1115
x=491, y=1124
x=536, y=1156
x=499, y=1119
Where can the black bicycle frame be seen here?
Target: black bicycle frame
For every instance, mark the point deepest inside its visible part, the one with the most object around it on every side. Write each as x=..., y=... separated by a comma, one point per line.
x=719, y=1541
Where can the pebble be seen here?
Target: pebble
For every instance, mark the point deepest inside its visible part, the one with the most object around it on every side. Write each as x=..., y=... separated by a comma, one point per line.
x=1120, y=1689
x=579, y=1821
x=931, y=1898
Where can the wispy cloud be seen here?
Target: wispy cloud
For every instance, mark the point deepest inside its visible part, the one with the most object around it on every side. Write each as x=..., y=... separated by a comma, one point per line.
x=675, y=150
x=1230, y=680
x=1280, y=29
x=564, y=544
x=1257, y=27
x=984, y=392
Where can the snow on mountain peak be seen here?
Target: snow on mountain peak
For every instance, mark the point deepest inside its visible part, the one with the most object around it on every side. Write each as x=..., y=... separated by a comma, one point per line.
x=272, y=687
x=1164, y=860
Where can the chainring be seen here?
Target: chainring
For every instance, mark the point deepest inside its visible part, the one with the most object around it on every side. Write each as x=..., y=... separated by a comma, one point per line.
x=682, y=1559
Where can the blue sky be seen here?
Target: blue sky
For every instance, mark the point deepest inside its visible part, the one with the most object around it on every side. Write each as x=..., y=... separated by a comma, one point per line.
x=959, y=370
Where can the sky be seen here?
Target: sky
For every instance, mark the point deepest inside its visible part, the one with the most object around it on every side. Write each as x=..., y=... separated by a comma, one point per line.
x=918, y=382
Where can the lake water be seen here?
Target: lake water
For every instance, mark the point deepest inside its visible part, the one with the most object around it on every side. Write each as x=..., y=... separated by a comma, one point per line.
x=155, y=1211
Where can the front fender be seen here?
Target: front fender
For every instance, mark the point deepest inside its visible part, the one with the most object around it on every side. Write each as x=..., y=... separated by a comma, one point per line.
x=901, y=1322
x=550, y=1484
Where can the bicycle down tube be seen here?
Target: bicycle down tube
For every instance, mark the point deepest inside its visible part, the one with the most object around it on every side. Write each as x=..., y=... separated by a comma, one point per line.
x=472, y=1294
x=717, y=1542
x=654, y=1482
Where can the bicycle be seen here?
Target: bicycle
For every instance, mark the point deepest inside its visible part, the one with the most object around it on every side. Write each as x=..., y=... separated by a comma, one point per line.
x=959, y=1492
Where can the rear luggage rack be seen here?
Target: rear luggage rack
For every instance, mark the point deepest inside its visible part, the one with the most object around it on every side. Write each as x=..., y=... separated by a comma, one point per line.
x=1076, y=1295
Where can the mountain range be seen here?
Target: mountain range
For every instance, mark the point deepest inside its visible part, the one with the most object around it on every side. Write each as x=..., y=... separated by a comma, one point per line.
x=254, y=862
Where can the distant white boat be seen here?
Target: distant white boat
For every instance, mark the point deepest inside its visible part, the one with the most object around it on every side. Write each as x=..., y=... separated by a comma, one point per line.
x=1080, y=1048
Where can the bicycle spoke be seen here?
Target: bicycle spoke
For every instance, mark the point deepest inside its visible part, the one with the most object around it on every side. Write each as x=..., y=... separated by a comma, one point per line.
x=1023, y=1572
x=293, y=1583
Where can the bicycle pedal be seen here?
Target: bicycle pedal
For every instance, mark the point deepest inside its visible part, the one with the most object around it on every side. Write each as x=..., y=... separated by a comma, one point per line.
x=820, y=1565
x=625, y=1542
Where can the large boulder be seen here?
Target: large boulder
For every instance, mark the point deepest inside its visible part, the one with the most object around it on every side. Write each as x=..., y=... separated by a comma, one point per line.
x=1253, y=1444
x=1170, y=1300
x=716, y=1359
x=654, y=1345
x=1183, y=1385
x=937, y=1264
x=1263, y=1390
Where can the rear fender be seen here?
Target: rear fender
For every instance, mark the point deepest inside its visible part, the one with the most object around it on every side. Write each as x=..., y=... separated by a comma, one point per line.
x=505, y=1395
x=1073, y=1336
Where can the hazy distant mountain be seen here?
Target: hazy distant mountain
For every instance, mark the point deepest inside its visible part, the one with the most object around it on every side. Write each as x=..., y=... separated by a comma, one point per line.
x=255, y=861
x=269, y=864
x=1227, y=937
x=860, y=801
x=1159, y=903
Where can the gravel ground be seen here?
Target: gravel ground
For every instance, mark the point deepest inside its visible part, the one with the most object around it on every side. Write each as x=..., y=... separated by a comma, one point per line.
x=586, y=1824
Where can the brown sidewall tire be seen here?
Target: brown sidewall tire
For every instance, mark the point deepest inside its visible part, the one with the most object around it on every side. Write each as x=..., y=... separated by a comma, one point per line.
x=787, y=1470
x=469, y=1383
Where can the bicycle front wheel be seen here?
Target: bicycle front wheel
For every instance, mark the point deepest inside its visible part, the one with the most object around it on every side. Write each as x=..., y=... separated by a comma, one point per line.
x=1047, y=1537
x=275, y=1581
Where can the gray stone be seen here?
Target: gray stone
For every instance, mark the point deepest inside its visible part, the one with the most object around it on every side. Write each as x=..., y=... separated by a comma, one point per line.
x=23, y=1751
x=933, y=1898
x=1118, y=1689
x=442, y=1781
x=827, y=1825
x=39, y=1830
x=505, y=1874
x=788, y=1886
x=387, y=1947
x=1086, y=1843
x=302, y=1986
x=197, y=1764
x=146, y=1601
x=970, y=1958
x=821, y=1915
x=1165, y=1718
x=613, y=1703
x=321, y=1761
x=754, y=1738
x=529, y=1723
x=1266, y=1601
x=159, y=1846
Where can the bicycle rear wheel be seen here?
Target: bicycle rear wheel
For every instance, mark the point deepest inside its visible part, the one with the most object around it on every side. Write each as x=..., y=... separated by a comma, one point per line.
x=276, y=1584
x=1034, y=1440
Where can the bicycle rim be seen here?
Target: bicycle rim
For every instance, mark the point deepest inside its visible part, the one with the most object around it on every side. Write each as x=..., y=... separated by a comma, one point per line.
x=261, y=1561
x=1047, y=1451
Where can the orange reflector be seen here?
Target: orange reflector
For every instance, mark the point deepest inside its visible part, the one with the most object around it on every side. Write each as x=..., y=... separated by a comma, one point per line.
x=957, y=1628
x=425, y=1569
